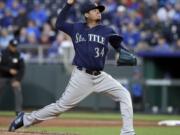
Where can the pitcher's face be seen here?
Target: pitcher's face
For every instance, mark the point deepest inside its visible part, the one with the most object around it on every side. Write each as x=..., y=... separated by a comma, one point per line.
x=94, y=15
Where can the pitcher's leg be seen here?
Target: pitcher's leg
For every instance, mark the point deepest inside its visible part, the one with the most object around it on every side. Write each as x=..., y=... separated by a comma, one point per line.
x=118, y=93
x=126, y=112
x=123, y=97
x=78, y=88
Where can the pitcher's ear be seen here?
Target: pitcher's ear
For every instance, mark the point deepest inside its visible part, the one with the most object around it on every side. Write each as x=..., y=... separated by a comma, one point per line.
x=86, y=15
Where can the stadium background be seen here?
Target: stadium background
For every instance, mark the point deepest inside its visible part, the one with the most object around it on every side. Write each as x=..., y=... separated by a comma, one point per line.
x=150, y=28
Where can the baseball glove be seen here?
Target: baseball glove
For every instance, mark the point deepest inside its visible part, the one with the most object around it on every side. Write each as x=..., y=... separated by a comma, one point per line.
x=125, y=58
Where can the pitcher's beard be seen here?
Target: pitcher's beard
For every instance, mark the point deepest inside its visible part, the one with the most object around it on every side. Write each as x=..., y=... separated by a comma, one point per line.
x=98, y=20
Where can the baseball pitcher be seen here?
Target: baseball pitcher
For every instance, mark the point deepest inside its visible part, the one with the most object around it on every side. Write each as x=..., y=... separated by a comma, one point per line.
x=90, y=40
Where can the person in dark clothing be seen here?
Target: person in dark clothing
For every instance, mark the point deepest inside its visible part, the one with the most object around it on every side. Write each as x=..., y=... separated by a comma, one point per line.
x=21, y=20
x=12, y=69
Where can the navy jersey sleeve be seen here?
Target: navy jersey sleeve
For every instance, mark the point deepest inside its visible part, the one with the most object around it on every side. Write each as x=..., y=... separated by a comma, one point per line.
x=115, y=39
x=61, y=23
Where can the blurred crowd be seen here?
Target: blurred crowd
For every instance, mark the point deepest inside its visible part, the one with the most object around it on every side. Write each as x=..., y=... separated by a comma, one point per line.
x=144, y=24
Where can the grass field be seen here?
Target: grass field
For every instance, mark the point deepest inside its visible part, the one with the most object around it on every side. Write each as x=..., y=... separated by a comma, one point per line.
x=106, y=116
x=111, y=130
x=155, y=130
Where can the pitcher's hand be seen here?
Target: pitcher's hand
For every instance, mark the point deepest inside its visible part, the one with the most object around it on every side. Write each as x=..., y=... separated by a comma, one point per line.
x=71, y=2
x=13, y=71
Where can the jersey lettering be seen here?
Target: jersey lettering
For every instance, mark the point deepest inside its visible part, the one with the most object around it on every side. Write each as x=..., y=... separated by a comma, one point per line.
x=96, y=38
x=79, y=38
x=91, y=38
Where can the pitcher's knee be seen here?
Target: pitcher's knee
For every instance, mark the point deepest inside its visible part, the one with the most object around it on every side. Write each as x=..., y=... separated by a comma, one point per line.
x=123, y=95
x=127, y=93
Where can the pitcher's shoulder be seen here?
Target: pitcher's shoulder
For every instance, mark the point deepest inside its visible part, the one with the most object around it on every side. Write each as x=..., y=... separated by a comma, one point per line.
x=79, y=24
x=106, y=27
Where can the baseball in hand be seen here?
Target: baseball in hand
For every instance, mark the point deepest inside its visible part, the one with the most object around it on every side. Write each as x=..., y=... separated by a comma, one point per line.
x=71, y=1
x=13, y=71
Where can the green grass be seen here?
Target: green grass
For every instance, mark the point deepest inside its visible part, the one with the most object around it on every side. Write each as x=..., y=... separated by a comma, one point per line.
x=105, y=130
x=111, y=130
x=6, y=113
x=158, y=131
x=116, y=116
x=106, y=116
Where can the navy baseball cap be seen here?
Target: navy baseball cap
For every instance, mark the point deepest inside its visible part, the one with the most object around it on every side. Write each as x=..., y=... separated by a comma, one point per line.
x=86, y=7
x=13, y=42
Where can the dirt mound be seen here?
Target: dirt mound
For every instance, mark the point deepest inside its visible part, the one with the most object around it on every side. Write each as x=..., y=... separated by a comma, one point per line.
x=33, y=133
x=81, y=123
x=5, y=121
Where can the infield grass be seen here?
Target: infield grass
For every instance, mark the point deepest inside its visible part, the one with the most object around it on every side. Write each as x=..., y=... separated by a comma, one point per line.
x=106, y=116
x=104, y=130
x=114, y=116
x=111, y=130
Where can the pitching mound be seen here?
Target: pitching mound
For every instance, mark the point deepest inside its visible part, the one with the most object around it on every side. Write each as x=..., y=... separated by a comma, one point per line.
x=5, y=121
x=32, y=133
x=82, y=123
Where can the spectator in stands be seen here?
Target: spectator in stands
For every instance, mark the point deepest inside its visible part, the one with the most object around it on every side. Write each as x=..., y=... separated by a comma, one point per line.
x=38, y=14
x=2, y=7
x=126, y=3
x=22, y=36
x=177, y=45
x=170, y=10
x=120, y=17
x=33, y=29
x=56, y=49
x=162, y=45
x=149, y=8
x=15, y=7
x=5, y=38
x=61, y=43
x=132, y=35
x=142, y=46
x=21, y=20
x=162, y=14
x=47, y=29
x=12, y=69
x=32, y=39
x=9, y=2
x=151, y=3
x=45, y=39
x=176, y=17
x=7, y=19
x=166, y=12
x=153, y=24
x=111, y=7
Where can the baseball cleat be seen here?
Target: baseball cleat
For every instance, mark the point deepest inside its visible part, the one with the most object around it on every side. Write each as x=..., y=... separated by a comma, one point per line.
x=17, y=122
